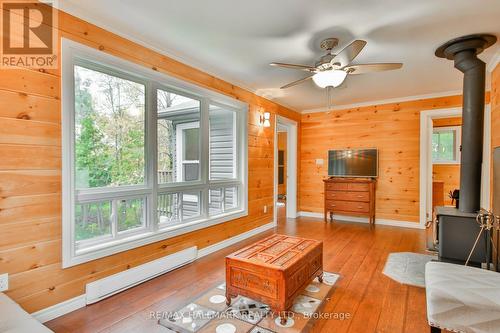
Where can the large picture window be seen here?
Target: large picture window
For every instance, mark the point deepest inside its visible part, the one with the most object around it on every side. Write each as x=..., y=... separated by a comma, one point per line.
x=145, y=156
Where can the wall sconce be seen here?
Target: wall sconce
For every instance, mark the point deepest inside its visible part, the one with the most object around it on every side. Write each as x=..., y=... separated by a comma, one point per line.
x=265, y=119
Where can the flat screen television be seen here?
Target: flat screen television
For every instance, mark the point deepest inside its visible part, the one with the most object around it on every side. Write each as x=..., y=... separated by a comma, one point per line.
x=353, y=163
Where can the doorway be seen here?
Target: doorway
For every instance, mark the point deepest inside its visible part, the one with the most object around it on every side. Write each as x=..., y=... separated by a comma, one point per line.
x=285, y=167
x=440, y=139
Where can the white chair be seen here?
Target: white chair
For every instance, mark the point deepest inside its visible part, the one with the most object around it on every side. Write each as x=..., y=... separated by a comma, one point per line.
x=462, y=299
x=13, y=319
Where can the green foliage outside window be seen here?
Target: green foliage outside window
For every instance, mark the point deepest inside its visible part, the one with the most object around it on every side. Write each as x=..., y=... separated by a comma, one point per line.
x=444, y=146
x=109, y=146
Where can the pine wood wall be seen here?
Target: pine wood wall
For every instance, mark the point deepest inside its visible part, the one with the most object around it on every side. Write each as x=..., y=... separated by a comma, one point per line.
x=392, y=128
x=445, y=122
x=450, y=175
x=30, y=174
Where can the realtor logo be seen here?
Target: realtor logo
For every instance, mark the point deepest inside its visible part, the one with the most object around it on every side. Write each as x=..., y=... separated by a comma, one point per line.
x=29, y=34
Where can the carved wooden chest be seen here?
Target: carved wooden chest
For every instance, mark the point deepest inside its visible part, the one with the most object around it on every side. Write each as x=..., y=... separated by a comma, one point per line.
x=274, y=270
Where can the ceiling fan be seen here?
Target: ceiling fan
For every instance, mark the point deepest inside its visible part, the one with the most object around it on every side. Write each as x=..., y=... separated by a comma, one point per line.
x=332, y=69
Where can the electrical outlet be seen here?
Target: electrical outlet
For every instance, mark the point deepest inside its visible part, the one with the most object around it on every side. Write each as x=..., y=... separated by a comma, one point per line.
x=4, y=281
x=265, y=209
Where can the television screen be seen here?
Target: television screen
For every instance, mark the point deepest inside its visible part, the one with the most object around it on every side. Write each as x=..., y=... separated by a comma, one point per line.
x=353, y=163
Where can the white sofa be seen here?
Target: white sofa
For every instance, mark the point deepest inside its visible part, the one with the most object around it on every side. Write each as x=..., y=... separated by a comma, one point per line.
x=462, y=299
x=13, y=319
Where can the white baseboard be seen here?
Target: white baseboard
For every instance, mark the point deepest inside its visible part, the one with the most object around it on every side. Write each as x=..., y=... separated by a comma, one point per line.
x=233, y=240
x=78, y=302
x=113, y=284
x=311, y=214
x=393, y=223
x=60, y=309
x=402, y=224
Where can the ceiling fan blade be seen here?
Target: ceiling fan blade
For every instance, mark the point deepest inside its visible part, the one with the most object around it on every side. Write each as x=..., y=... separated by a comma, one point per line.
x=292, y=66
x=369, y=68
x=348, y=53
x=297, y=82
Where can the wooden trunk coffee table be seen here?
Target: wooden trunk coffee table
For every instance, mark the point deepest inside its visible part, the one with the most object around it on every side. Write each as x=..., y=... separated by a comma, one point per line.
x=274, y=270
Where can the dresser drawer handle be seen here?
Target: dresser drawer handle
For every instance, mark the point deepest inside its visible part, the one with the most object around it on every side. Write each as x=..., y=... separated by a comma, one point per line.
x=360, y=207
x=360, y=196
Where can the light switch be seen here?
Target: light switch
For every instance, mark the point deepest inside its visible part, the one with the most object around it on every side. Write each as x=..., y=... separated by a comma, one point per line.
x=319, y=161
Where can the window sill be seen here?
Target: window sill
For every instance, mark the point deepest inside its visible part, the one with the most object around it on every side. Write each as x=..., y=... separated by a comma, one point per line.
x=446, y=163
x=137, y=240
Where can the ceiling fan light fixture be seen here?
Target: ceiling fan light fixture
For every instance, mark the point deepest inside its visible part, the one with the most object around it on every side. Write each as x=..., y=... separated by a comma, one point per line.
x=330, y=78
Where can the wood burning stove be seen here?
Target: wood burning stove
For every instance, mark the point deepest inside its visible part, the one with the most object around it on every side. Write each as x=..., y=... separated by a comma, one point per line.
x=457, y=228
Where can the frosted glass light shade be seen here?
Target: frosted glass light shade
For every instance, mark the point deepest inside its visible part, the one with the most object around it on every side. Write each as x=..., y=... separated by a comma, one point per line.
x=265, y=119
x=331, y=78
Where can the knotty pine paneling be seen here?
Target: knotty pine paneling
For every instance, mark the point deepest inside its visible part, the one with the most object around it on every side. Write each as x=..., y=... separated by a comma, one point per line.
x=18, y=105
x=450, y=175
x=30, y=173
x=445, y=122
x=392, y=128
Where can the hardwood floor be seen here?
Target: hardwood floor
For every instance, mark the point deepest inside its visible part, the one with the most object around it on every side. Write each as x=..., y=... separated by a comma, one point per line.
x=372, y=301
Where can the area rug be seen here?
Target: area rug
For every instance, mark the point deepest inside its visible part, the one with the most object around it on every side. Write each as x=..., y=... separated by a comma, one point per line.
x=407, y=267
x=209, y=312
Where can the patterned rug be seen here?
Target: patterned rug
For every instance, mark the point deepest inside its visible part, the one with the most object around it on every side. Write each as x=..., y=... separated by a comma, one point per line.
x=209, y=312
x=407, y=267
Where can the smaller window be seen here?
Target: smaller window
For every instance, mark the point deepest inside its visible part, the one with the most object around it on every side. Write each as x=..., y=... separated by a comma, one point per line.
x=446, y=145
x=178, y=138
x=131, y=214
x=168, y=209
x=188, y=152
x=93, y=220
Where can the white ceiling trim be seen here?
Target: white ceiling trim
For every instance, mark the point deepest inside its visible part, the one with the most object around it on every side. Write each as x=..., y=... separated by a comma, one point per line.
x=495, y=60
x=384, y=101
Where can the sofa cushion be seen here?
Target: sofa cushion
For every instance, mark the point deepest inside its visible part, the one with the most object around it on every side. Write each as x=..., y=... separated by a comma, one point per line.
x=13, y=319
x=462, y=299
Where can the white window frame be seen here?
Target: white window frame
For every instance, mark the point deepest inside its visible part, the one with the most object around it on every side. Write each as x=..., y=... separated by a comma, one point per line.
x=458, y=142
x=73, y=53
x=180, y=161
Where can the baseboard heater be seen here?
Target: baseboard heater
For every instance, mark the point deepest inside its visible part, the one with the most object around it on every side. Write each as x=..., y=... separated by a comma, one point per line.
x=108, y=286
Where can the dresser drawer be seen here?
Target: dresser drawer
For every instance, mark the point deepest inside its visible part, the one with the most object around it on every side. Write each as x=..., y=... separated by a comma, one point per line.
x=348, y=196
x=336, y=186
x=358, y=187
x=348, y=206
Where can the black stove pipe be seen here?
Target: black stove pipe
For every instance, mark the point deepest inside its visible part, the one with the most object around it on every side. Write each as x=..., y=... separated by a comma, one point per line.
x=464, y=51
x=472, y=129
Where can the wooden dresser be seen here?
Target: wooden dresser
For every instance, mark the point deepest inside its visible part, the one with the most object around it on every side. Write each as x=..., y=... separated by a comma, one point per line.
x=351, y=197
